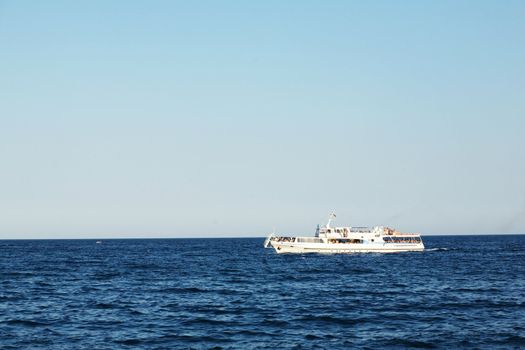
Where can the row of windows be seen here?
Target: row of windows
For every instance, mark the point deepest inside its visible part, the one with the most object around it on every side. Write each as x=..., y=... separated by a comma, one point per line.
x=347, y=230
x=402, y=239
x=308, y=240
x=344, y=240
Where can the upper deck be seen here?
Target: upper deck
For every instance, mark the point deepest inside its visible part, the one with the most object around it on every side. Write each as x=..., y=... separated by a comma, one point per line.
x=349, y=232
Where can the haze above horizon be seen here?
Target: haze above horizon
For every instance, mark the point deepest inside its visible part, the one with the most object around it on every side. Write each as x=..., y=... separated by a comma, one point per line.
x=172, y=118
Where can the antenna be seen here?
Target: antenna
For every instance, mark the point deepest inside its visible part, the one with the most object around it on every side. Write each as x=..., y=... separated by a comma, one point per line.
x=330, y=219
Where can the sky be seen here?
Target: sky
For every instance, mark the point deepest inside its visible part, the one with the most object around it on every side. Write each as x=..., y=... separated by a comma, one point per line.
x=235, y=118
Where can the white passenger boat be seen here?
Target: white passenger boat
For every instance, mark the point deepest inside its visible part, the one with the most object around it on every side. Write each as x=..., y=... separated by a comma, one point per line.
x=327, y=239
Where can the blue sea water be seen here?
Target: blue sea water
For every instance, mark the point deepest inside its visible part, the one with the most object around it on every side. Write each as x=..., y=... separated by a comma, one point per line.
x=463, y=292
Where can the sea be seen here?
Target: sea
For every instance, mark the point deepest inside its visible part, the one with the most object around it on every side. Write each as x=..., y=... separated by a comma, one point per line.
x=463, y=292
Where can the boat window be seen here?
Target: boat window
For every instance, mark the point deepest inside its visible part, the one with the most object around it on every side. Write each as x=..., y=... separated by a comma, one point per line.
x=361, y=229
x=345, y=240
x=283, y=239
x=308, y=240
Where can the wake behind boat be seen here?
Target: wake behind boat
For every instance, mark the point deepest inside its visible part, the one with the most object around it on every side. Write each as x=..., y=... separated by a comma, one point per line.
x=379, y=239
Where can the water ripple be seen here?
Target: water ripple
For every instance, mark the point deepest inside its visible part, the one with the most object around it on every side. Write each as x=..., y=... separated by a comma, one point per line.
x=462, y=292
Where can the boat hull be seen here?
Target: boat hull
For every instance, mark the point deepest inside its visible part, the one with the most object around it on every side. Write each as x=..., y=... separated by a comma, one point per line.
x=291, y=247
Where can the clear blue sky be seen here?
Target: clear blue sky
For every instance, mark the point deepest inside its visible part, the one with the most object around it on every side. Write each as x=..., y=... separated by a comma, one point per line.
x=229, y=118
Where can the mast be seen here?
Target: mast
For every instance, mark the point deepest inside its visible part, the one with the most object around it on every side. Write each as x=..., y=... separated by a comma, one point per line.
x=330, y=219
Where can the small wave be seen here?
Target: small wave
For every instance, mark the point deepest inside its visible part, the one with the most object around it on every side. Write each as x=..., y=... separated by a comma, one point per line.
x=135, y=312
x=140, y=266
x=104, y=306
x=275, y=323
x=104, y=276
x=330, y=319
x=18, y=274
x=25, y=323
x=247, y=332
x=476, y=290
x=201, y=339
x=230, y=270
x=129, y=341
x=182, y=290
x=11, y=298
x=406, y=343
x=360, y=271
x=514, y=340
x=208, y=321
x=312, y=337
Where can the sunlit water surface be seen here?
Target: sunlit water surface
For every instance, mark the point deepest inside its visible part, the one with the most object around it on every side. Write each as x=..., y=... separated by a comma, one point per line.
x=463, y=292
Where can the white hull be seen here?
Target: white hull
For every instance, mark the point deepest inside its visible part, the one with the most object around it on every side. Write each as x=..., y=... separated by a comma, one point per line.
x=290, y=247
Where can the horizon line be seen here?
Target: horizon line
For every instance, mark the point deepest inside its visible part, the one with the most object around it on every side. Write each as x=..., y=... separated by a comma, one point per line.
x=229, y=237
